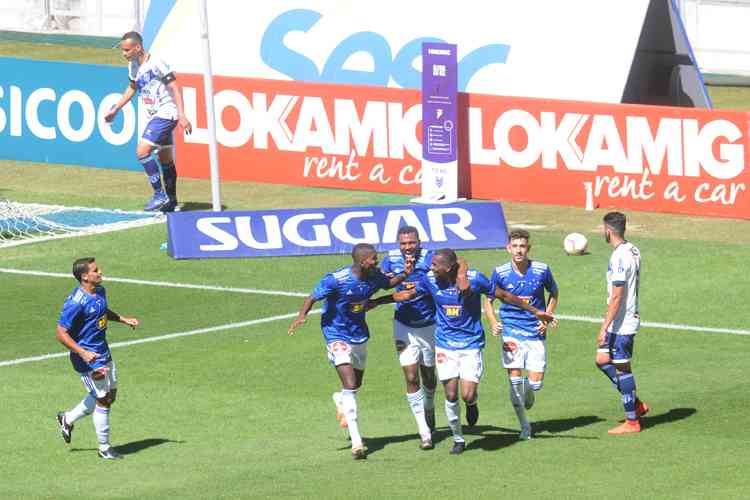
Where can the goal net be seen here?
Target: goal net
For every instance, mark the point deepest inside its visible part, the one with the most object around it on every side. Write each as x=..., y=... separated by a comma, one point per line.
x=22, y=223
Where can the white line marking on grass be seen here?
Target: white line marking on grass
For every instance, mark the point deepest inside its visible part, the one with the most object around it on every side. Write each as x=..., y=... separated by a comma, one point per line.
x=200, y=331
x=664, y=326
x=161, y=283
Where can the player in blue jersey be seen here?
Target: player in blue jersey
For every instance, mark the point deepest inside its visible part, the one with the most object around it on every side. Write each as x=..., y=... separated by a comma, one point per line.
x=346, y=293
x=617, y=334
x=459, y=335
x=82, y=329
x=523, y=335
x=414, y=331
x=162, y=100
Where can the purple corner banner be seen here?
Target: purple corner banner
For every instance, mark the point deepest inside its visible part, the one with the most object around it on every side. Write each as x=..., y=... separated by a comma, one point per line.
x=314, y=231
x=439, y=102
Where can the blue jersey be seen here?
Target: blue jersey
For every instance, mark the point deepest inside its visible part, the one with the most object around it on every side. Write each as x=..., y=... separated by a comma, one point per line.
x=344, y=309
x=458, y=318
x=419, y=311
x=530, y=288
x=84, y=316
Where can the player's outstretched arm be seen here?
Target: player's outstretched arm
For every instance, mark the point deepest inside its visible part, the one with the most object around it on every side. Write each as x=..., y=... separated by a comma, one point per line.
x=509, y=298
x=126, y=97
x=131, y=322
x=379, y=301
x=489, y=312
x=65, y=339
x=408, y=268
x=302, y=316
x=404, y=295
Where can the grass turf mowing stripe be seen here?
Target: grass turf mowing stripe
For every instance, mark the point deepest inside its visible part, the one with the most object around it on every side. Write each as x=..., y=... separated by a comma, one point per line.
x=586, y=319
x=211, y=329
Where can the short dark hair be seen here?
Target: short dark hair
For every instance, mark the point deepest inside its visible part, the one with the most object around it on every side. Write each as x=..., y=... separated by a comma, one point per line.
x=133, y=36
x=81, y=266
x=362, y=249
x=519, y=234
x=616, y=222
x=408, y=230
x=447, y=254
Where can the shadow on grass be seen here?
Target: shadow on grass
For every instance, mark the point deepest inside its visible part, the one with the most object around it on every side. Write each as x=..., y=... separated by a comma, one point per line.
x=135, y=446
x=672, y=415
x=195, y=206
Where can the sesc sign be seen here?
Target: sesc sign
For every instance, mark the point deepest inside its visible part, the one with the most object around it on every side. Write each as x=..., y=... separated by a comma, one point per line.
x=196, y=235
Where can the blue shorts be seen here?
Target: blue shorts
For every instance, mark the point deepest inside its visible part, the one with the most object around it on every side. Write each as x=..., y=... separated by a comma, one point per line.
x=158, y=131
x=619, y=347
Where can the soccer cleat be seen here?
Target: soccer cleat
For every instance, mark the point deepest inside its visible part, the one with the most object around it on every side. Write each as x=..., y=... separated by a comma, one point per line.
x=628, y=427
x=340, y=417
x=159, y=200
x=170, y=206
x=472, y=414
x=65, y=429
x=109, y=454
x=641, y=408
x=429, y=416
x=525, y=434
x=528, y=395
x=426, y=444
x=358, y=452
x=458, y=448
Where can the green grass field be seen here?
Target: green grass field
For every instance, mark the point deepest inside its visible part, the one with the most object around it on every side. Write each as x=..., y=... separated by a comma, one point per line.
x=244, y=411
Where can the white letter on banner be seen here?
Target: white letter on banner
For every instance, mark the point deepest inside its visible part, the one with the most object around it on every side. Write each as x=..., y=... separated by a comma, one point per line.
x=604, y=131
x=128, y=123
x=313, y=128
x=273, y=232
x=370, y=229
x=240, y=136
x=501, y=134
x=32, y=113
x=291, y=231
x=732, y=154
x=372, y=126
x=63, y=116
x=667, y=142
x=438, y=226
x=393, y=223
x=207, y=227
x=16, y=115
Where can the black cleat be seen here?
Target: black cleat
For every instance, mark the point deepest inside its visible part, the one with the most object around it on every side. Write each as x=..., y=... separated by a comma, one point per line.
x=66, y=430
x=170, y=206
x=429, y=415
x=472, y=414
x=109, y=454
x=458, y=448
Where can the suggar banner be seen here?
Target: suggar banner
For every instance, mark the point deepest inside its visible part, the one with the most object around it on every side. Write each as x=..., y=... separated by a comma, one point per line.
x=532, y=150
x=196, y=235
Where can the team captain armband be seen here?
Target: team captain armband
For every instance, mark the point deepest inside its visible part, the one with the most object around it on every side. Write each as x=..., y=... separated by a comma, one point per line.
x=169, y=77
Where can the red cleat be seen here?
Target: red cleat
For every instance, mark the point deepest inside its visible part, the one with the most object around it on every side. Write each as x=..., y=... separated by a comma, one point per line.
x=628, y=427
x=641, y=408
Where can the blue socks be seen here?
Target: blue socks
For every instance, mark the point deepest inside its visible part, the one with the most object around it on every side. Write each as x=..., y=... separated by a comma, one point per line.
x=627, y=390
x=151, y=167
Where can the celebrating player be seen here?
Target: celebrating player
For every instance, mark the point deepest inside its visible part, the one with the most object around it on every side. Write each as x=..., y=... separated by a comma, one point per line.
x=617, y=333
x=414, y=331
x=82, y=329
x=347, y=291
x=163, y=102
x=523, y=335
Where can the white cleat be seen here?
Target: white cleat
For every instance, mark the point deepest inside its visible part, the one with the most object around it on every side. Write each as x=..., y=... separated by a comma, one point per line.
x=525, y=433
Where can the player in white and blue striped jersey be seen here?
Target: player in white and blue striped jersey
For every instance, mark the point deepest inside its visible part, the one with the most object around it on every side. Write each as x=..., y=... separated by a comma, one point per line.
x=82, y=329
x=523, y=334
x=346, y=293
x=617, y=334
x=414, y=331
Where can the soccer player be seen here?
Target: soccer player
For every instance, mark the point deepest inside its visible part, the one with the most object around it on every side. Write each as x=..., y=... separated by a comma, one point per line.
x=82, y=329
x=523, y=335
x=162, y=99
x=414, y=331
x=459, y=335
x=346, y=293
x=617, y=333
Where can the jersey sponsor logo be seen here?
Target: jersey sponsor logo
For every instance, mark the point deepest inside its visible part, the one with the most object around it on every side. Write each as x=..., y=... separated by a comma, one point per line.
x=510, y=346
x=441, y=358
x=452, y=311
x=408, y=284
x=102, y=323
x=357, y=307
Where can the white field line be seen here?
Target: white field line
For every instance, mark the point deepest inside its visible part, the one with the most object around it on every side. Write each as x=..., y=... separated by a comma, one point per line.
x=200, y=331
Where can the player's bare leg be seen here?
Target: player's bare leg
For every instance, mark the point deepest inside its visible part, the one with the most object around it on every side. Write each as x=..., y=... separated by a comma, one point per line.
x=351, y=381
x=453, y=414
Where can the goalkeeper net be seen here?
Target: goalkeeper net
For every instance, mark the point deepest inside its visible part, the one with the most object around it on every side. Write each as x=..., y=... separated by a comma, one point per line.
x=22, y=223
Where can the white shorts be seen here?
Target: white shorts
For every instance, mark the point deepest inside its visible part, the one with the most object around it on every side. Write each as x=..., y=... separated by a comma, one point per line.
x=343, y=353
x=414, y=345
x=100, y=381
x=466, y=364
x=524, y=354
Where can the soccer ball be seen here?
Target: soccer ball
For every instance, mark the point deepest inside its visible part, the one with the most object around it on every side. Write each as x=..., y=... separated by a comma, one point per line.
x=575, y=244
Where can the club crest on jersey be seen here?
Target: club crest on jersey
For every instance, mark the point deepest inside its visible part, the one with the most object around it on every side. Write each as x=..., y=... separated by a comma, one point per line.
x=102, y=323
x=357, y=307
x=409, y=284
x=510, y=346
x=452, y=311
x=441, y=358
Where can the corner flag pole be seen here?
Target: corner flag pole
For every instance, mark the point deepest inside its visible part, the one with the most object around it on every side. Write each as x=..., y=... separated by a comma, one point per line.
x=208, y=89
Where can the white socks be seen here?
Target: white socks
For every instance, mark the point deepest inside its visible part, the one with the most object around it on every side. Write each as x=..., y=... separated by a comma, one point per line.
x=429, y=399
x=453, y=412
x=101, y=425
x=82, y=409
x=517, y=400
x=349, y=405
x=416, y=402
